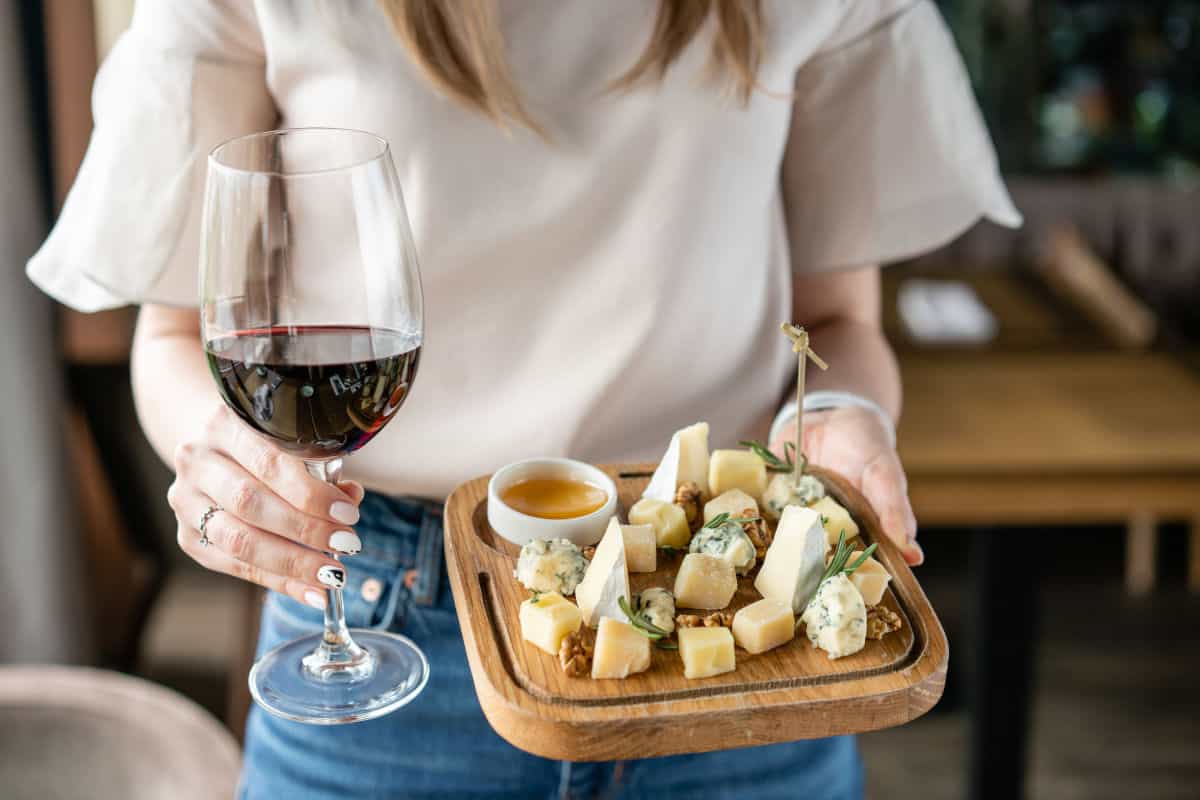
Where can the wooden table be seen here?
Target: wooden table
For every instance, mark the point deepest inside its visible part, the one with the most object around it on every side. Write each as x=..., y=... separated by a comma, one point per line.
x=1027, y=438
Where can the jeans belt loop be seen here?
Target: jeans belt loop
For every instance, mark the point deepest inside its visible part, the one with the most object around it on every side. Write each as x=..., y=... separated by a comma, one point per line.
x=429, y=558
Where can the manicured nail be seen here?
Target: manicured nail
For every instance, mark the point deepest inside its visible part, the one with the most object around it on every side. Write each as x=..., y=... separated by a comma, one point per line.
x=315, y=599
x=332, y=576
x=915, y=550
x=345, y=542
x=344, y=512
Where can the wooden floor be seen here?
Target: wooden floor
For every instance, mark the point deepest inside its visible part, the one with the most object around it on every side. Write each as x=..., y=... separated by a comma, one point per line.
x=1117, y=711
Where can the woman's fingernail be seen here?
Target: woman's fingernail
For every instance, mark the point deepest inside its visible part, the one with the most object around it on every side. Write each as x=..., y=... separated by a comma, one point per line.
x=344, y=512
x=332, y=576
x=315, y=599
x=916, y=552
x=345, y=542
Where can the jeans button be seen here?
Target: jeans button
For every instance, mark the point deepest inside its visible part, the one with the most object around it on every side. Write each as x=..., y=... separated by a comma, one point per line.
x=371, y=589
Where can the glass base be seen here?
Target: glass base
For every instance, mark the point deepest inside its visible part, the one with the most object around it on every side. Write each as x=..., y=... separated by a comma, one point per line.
x=395, y=675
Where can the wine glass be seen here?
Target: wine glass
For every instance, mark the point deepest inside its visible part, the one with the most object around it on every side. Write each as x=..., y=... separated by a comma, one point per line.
x=312, y=323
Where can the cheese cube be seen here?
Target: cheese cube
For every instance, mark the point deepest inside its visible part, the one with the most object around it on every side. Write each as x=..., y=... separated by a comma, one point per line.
x=606, y=580
x=668, y=520
x=736, y=469
x=836, y=519
x=764, y=625
x=704, y=581
x=734, y=503
x=547, y=620
x=871, y=579
x=641, y=546
x=795, y=561
x=783, y=491
x=620, y=650
x=686, y=459
x=836, y=619
x=706, y=651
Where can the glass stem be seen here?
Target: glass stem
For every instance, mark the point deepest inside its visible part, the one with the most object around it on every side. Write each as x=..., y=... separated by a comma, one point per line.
x=337, y=657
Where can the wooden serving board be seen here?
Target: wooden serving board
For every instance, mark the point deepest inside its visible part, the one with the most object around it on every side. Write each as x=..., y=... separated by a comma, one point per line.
x=792, y=692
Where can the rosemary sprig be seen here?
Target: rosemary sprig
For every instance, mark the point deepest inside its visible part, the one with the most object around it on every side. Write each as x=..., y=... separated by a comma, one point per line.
x=535, y=597
x=841, y=555
x=640, y=624
x=666, y=644
x=723, y=517
x=774, y=463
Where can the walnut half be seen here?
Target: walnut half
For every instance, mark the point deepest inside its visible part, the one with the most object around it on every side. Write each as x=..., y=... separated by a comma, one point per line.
x=882, y=621
x=717, y=619
x=688, y=497
x=760, y=537
x=575, y=654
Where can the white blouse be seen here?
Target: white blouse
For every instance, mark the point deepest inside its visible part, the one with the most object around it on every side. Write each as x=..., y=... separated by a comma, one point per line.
x=584, y=297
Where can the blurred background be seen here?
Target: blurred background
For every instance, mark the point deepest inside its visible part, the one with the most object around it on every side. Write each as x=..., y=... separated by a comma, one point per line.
x=1051, y=429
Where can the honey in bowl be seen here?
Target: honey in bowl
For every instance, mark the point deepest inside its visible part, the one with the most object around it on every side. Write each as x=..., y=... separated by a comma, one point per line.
x=554, y=498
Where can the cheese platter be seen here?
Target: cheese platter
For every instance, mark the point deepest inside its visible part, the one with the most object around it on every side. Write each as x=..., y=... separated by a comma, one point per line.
x=731, y=631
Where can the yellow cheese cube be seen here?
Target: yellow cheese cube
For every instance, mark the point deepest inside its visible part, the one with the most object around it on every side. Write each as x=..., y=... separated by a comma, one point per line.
x=706, y=651
x=736, y=469
x=546, y=621
x=668, y=520
x=620, y=650
x=764, y=625
x=836, y=519
x=704, y=581
x=735, y=502
x=871, y=579
x=641, y=547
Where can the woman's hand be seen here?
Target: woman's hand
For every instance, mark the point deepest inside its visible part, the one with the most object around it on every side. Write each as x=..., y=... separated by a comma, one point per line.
x=854, y=443
x=274, y=518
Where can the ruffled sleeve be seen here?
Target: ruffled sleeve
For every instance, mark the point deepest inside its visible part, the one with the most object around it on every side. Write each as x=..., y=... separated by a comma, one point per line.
x=185, y=77
x=888, y=155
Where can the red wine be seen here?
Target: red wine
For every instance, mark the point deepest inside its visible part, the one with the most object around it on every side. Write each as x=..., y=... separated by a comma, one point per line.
x=318, y=391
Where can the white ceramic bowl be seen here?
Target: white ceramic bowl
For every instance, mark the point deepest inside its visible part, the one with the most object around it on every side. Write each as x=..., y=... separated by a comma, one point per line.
x=519, y=528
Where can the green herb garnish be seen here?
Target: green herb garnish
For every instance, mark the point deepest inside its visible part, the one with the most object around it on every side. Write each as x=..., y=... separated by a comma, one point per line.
x=535, y=598
x=666, y=644
x=640, y=624
x=841, y=555
x=723, y=517
x=774, y=463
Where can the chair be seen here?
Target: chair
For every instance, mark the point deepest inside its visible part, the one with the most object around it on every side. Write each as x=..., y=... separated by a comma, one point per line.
x=69, y=732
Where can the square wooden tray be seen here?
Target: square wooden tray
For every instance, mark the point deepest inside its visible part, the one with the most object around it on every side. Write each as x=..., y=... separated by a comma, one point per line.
x=792, y=692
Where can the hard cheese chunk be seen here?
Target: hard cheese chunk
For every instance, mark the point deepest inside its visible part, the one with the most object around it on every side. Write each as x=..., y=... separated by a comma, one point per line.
x=836, y=619
x=641, y=546
x=871, y=579
x=547, y=620
x=764, y=625
x=606, y=580
x=736, y=469
x=734, y=503
x=668, y=520
x=795, y=560
x=835, y=519
x=704, y=581
x=686, y=459
x=706, y=651
x=620, y=650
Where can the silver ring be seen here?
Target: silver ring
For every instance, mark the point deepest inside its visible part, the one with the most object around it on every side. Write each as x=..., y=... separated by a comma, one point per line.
x=208, y=515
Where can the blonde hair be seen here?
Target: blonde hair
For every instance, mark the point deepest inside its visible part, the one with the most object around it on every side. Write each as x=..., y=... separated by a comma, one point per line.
x=459, y=47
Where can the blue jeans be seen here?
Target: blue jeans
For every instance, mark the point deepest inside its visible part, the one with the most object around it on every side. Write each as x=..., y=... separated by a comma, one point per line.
x=440, y=745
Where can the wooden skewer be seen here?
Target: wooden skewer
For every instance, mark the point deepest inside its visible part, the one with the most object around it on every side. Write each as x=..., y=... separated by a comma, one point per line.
x=800, y=346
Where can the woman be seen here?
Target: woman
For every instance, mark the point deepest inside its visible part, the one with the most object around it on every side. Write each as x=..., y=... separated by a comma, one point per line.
x=615, y=205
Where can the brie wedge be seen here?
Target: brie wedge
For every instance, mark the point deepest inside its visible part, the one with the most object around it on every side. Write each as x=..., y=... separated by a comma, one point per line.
x=686, y=460
x=606, y=580
x=795, y=560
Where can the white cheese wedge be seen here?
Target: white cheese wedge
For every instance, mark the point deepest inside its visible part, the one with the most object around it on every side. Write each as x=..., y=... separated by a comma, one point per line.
x=668, y=520
x=734, y=503
x=736, y=469
x=836, y=619
x=620, y=650
x=871, y=579
x=641, y=546
x=764, y=625
x=706, y=652
x=705, y=582
x=795, y=560
x=547, y=620
x=686, y=459
x=836, y=519
x=606, y=580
